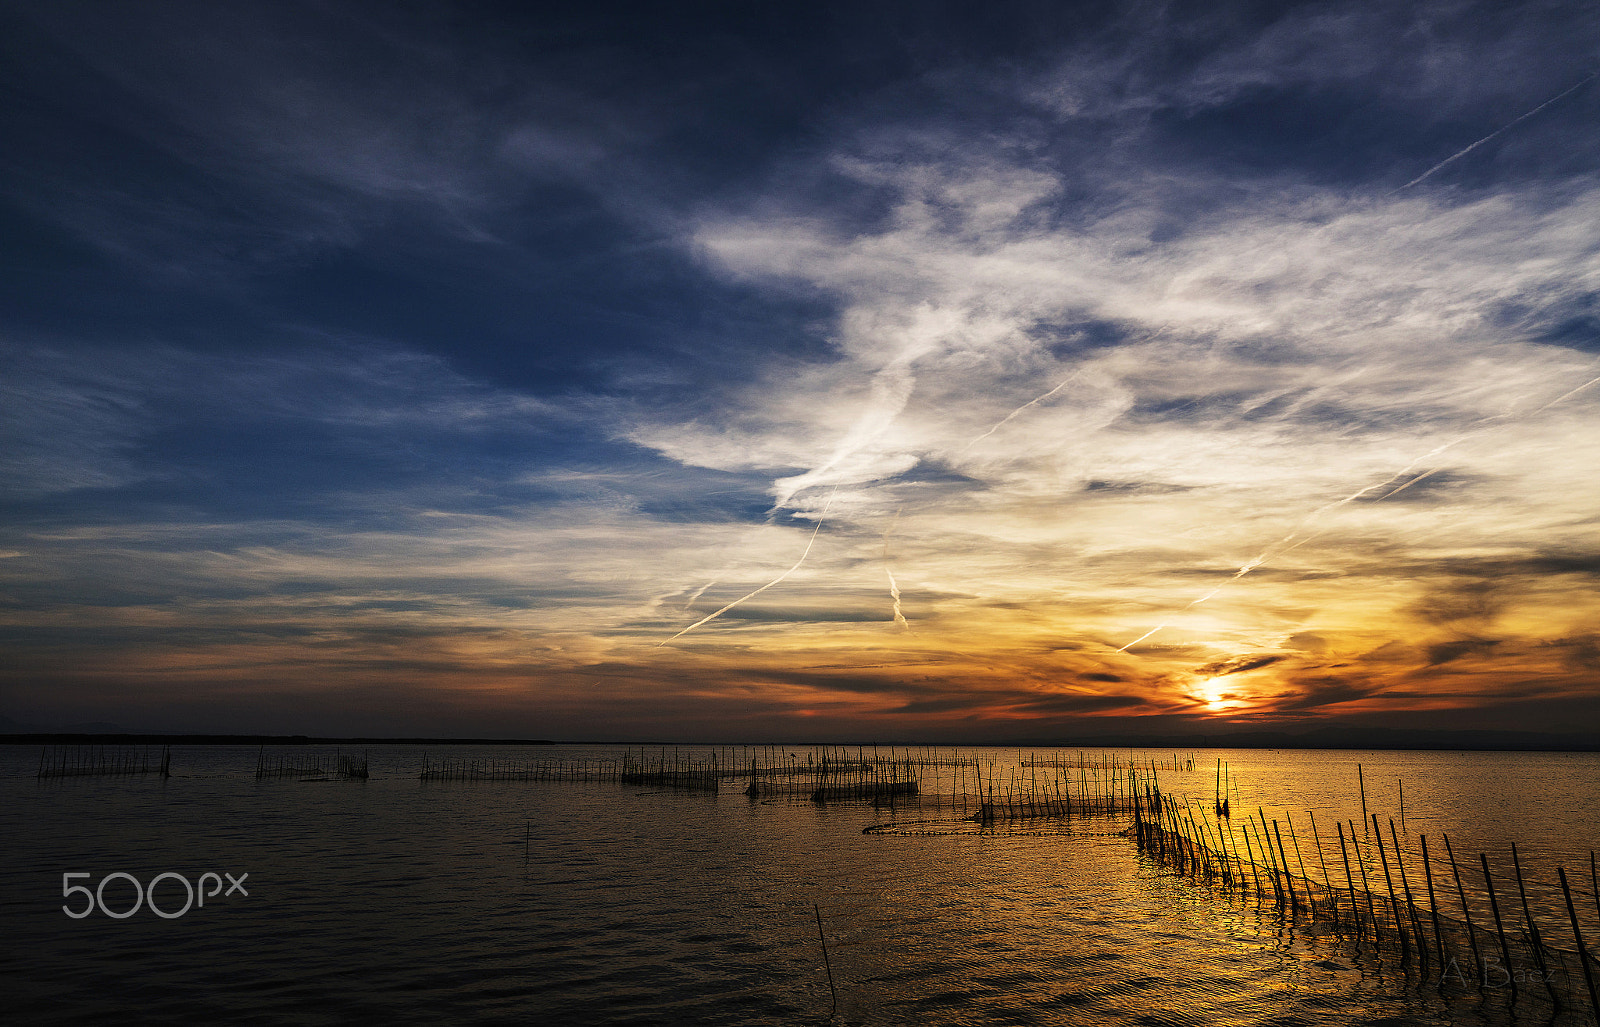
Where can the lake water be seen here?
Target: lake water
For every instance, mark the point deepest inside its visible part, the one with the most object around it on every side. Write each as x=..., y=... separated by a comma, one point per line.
x=404, y=901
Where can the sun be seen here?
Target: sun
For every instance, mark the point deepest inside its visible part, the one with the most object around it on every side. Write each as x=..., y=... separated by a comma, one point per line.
x=1215, y=699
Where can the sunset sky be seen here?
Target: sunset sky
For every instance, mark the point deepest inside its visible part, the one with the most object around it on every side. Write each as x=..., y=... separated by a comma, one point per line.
x=1026, y=369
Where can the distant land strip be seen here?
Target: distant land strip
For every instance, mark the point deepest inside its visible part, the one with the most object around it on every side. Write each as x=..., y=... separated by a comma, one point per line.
x=1328, y=738
x=1340, y=738
x=82, y=738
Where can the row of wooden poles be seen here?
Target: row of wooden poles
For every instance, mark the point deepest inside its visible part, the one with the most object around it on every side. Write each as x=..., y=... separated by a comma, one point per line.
x=983, y=785
x=302, y=765
x=1258, y=862
x=985, y=788
x=1081, y=788
x=834, y=775
x=830, y=775
x=104, y=761
x=114, y=761
x=674, y=769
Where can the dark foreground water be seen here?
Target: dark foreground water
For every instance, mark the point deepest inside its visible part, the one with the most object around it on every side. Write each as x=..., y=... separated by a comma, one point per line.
x=393, y=900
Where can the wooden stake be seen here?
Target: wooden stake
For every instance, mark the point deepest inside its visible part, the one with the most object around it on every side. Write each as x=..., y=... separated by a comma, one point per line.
x=1494, y=906
x=1394, y=903
x=1302, y=861
x=1288, y=875
x=825, y=961
x=1365, y=886
x=1594, y=892
x=1433, y=906
x=1411, y=907
x=1348, y=880
x=1533, y=929
x=1317, y=838
x=1583, y=953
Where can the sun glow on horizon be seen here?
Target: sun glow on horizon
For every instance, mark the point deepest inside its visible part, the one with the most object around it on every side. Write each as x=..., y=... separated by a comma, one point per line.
x=1215, y=699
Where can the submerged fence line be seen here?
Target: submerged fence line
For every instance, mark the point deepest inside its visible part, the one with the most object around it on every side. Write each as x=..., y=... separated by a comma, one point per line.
x=675, y=771
x=104, y=761
x=1479, y=948
x=835, y=777
x=303, y=765
x=455, y=768
x=985, y=787
x=981, y=788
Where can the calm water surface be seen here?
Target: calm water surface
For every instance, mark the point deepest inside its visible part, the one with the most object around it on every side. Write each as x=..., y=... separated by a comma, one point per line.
x=486, y=902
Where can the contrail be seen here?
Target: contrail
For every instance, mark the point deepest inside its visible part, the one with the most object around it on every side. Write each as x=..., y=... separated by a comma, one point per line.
x=1068, y=380
x=1565, y=395
x=891, y=390
x=698, y=593
x=812, y=541
x=1462, y=153
x=894, y=589
x=1242, y=571
x=1039, y=399
x=1144, y=636
x=1274, y=549
x=1413, y=481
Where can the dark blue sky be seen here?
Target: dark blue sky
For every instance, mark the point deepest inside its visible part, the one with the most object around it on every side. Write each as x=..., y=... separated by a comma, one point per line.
x=416, y=366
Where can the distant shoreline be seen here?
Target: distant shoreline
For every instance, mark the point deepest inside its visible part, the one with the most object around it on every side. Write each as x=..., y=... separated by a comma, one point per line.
x=1402, y=741
x=81, y=738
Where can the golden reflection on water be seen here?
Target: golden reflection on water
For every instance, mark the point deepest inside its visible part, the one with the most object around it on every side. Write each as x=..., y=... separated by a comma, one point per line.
x=1060, y=929
x=1074, y=929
